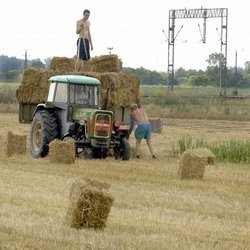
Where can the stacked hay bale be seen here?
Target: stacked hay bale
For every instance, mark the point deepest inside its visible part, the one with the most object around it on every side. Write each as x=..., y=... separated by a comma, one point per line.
x=193, y=163
x=15, y=144
x=124, y=87
x=62, y=151
x=106, y=63
x=62, y=64
x=34, y=86
x=90, y=204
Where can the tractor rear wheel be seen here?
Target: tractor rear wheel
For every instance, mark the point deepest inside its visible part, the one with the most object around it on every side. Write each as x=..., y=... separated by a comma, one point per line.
x=44, y=129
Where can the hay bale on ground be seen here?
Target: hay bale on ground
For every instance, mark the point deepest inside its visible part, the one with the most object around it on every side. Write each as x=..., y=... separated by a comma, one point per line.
x=156, y=125
x=90, y=204
x=106, y=63
x=193, y=163
x=62, y=151
x=15, y=144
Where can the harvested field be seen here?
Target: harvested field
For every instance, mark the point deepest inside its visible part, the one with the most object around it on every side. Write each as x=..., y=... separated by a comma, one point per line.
x=152, y=208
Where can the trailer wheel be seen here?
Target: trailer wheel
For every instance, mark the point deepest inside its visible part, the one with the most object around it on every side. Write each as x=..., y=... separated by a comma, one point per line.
x=44, y=129
x=122, y=151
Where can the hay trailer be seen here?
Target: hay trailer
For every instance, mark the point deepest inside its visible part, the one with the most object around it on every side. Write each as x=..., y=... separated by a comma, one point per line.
x=72, y=110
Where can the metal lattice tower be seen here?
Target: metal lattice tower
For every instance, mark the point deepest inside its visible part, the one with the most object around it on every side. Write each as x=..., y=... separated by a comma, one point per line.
x=198, y=13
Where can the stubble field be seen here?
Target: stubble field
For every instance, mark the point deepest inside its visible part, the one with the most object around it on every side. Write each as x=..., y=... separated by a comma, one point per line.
x=152, y=208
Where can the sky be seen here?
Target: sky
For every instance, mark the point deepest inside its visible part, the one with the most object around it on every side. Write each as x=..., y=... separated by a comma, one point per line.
x=132, y=28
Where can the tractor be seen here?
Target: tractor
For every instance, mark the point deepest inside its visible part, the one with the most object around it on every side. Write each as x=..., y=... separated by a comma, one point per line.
x=72, y=111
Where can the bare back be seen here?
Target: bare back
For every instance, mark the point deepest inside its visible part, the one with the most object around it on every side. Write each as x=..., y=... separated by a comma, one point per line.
x=140, y=115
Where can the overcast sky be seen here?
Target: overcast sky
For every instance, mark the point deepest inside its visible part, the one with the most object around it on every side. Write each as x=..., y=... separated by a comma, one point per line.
x=133, y=28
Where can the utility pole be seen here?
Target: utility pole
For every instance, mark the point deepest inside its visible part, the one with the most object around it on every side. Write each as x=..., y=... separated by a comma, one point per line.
x=25, y=59
x=236, y=73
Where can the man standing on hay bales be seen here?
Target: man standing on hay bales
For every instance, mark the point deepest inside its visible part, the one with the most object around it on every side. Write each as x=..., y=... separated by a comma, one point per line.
x=143, y=130
x=84, y=40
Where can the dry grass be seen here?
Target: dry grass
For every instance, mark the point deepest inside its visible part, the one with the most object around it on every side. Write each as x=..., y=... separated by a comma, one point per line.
x=152, y=209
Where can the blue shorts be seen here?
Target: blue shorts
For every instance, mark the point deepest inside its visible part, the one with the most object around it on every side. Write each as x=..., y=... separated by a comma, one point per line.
x=83, y=49
x=143, y=131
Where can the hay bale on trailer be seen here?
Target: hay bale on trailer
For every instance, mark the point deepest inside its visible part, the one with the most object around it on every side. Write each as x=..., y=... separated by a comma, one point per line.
x=63, y=64
x=34, y=86
x=15, y=144
x=193, y=163
x=106, y=63
x=90, y=204
x=62, y=151
x=123, y=87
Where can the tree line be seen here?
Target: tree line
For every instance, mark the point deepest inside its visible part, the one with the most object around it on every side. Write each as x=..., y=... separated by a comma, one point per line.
x=11, y=69
x=192, y=77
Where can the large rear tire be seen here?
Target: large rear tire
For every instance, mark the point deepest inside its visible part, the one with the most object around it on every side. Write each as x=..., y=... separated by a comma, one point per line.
x=44, y=129
x=122, y=151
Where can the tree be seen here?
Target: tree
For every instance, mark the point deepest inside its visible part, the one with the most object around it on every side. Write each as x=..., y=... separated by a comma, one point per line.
x=213, y=70
x=37, y=63
x=198, y=80
x=247, y=67
x=47, y=62
x=9, y=63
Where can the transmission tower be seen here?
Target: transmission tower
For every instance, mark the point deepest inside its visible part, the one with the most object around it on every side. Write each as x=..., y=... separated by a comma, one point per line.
x=221, y=13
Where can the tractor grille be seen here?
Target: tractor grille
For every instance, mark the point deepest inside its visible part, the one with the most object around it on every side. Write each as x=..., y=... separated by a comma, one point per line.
x=102, y=126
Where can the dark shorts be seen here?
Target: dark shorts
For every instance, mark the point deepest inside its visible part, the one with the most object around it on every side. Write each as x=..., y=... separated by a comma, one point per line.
x=143, y=131
x=83, y=49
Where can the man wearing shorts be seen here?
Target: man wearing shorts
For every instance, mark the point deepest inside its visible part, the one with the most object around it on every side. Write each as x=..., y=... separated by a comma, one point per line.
x=143, y=130
x=84, y=41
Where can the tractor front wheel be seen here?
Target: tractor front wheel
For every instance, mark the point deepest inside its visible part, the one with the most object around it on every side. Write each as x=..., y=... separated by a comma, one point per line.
x=122, y=151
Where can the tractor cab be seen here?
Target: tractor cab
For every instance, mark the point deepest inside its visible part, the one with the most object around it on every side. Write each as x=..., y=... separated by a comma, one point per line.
x=74, y=90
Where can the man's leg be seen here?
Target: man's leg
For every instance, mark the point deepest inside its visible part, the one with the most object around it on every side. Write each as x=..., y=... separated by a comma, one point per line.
x=149, y=142
x=77, y=64
x=82, y=65
x=138, y=147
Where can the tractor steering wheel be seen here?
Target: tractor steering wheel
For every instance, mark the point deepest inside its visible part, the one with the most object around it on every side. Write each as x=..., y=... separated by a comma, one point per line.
x=82, y=100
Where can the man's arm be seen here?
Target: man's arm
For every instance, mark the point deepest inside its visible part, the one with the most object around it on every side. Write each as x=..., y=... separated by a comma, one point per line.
x=79, y=27
x=132, y=124
x=90, y=39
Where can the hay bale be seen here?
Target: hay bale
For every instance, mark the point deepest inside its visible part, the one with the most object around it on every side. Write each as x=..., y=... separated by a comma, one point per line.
x=106, y=63
x=15, y=144
x=193, y=163
x=124, y=87
x=156, y=125
x=63, y=64
x=90, y=204
x=62, y=151
x=34, y=86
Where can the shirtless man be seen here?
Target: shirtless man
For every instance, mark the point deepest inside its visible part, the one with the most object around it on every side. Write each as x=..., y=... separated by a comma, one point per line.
x=143, y=130
x=84, y=40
